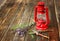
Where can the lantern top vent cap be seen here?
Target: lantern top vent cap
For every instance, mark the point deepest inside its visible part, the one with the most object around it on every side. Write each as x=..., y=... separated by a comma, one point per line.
x=41, y=3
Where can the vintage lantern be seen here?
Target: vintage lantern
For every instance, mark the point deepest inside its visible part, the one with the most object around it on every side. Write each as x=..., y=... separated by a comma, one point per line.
x=41, y=16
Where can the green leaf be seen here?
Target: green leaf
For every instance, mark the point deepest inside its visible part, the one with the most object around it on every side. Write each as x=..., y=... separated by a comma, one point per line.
x=31, y=32
x=21, y=25
x=32, y=36
x=15, y=26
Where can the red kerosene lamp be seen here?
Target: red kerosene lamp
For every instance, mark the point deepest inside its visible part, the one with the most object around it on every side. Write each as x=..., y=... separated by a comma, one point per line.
x=41, y=16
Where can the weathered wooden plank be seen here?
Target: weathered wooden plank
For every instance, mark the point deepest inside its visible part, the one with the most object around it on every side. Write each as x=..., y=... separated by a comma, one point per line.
x=54, y=36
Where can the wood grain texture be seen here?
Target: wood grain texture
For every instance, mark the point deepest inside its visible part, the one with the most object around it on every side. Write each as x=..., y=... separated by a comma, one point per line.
x=22, y=12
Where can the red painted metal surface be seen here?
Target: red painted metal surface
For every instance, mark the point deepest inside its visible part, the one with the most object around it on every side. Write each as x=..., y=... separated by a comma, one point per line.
x=41, y=16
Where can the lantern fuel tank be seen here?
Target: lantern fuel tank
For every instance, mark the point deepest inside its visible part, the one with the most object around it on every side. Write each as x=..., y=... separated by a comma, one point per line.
x=41, y=16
